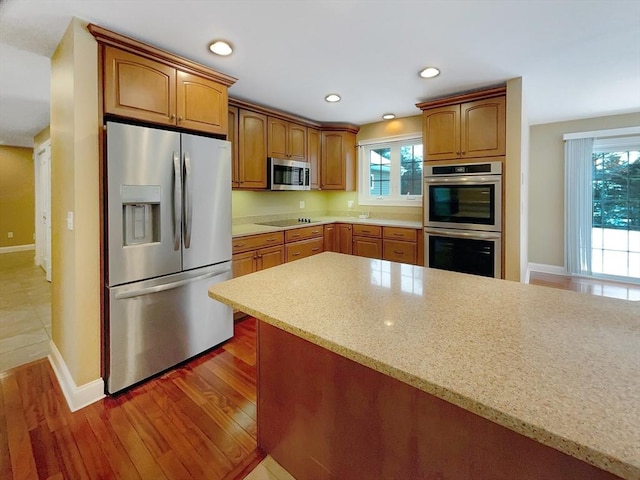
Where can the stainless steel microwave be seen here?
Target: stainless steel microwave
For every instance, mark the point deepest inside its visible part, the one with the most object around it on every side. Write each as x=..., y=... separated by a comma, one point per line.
x=288, y=174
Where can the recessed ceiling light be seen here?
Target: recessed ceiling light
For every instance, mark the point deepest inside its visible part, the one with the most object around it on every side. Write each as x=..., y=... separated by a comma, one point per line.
x=429, y=72
x=220, y=47
x=388, y=116
x=332, y=98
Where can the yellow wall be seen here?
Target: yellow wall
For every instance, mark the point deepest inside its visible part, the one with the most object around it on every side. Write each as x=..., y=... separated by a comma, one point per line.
x=546, y=186
x=337, y=201
x=74, y=178
x=17, y=193
x=514, y=179
x=248, y=204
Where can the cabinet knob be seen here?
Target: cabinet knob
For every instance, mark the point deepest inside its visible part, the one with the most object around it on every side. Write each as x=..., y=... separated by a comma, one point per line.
x=180, y=118
x=172, y=117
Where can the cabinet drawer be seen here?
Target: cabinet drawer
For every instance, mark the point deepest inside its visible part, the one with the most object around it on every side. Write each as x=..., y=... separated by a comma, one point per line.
x=302, y=233
x=397, y=233
x=403, y=252
x=305, y=248
x=251, y=242
x=367, y=230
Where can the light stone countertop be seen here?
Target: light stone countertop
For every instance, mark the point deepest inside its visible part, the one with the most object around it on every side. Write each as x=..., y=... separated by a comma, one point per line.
x=253, y=228
x=557, y=366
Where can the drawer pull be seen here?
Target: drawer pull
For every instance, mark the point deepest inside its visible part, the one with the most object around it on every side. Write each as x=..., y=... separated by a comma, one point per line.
x=366, y=231
x=398, y=253
x=295, y=235
x=398, y=234
x=295, y=254
x=270, y=240
x=238, y=245
x=315, y=249
x=315, y=231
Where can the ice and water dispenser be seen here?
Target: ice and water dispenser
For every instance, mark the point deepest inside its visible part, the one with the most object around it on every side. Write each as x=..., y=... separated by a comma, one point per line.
x=140, y=214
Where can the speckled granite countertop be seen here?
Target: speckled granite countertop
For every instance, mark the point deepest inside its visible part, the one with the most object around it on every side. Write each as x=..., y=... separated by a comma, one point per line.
x=557, y=366
x=253, y=228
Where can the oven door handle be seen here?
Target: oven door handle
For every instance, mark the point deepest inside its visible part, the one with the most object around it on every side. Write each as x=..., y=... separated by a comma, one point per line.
x=462, y=234
x=463, y=180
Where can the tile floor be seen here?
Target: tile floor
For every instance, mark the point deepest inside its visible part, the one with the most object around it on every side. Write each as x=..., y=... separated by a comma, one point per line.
x=269, y=469
x=25, y=310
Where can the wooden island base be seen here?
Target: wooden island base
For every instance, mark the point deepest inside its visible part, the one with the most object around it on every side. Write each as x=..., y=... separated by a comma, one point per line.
x=322, y=416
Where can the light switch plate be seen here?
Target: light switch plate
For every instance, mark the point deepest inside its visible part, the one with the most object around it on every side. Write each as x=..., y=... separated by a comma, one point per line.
x=69, y=220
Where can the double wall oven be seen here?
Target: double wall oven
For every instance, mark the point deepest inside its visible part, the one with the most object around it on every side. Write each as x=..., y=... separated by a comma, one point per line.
x=463, y=218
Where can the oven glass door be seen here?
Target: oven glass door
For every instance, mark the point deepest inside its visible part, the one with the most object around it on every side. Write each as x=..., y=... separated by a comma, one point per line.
x=475, y=205
x=478, y=253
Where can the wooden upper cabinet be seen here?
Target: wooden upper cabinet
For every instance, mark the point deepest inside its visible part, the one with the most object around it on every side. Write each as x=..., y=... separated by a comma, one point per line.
x=139, y=88
x=252, y=149
x=136, y=87
x=313, y=157
x=338, y=161
x=466, y=126
x=201, y=104
x=287, y=140
x=441, y=134
x=483, y=128
x=232, y=136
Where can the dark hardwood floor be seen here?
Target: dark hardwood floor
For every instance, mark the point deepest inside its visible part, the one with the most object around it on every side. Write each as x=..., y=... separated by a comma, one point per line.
x=594, y=286
x=194, y=422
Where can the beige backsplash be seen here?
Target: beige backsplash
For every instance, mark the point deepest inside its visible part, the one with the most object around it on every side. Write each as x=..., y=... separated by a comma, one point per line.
x=252, y=207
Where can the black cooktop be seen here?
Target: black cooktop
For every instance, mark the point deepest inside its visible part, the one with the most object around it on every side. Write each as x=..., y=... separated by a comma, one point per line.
x=291, y=222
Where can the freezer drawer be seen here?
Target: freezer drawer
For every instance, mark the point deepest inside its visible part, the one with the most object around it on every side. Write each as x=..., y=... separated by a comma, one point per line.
x=155, y=324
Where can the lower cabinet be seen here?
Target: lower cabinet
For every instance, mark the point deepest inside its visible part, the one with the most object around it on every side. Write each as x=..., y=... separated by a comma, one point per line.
x=344, y=238
x=303, y=242
x=257, y=252
x=367, y=241
x=303, y=248
x=400, y=245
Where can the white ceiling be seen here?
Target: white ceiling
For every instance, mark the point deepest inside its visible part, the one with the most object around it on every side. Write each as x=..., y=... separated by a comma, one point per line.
x=578, y=58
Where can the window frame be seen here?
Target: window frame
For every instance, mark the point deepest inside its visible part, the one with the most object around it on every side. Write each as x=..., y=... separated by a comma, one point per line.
x=395, y=199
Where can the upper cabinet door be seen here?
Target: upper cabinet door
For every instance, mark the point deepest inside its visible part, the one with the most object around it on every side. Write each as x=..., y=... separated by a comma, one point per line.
x=277, y=138
x=441, y=133
x=313, y=156
x=201, y=104
x=232, y=136
x=482, y=130
x=297, y=142
x=252, y=149
x=139, y=88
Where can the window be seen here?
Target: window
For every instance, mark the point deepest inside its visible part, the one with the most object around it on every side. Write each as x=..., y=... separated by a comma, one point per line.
x=391, y=171
x=602, y=203
x=615, y=239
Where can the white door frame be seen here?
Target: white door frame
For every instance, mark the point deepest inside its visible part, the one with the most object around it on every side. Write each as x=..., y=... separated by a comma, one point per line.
x=42, y=167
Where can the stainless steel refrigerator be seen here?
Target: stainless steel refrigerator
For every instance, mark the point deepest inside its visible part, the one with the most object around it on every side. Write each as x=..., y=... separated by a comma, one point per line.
x=169, y=239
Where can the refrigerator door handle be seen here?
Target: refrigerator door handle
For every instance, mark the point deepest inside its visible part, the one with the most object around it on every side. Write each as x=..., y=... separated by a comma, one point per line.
x=169, y=286
x=188, y=201
x=177, y=198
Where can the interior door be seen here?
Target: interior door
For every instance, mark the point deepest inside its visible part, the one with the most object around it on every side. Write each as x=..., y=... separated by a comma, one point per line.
x=43, y=235
x=207, y=201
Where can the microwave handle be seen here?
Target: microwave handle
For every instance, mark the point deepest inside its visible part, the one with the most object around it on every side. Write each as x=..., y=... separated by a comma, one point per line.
x=462, y=234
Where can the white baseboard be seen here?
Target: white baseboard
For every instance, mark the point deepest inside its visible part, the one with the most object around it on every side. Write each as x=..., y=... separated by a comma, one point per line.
x=77, y=397
x=543, y=268
x=18, y=248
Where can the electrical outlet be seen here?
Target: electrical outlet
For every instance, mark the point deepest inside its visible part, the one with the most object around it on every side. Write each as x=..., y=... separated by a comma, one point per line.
x=10, y=234
x=301, y=204
x=350, y=204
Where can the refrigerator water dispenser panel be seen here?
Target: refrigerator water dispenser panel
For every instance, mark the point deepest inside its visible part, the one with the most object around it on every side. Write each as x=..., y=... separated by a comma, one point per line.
x=140, y=214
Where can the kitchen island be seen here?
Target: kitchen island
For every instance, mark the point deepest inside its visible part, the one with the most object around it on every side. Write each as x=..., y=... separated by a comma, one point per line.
x=373, y=369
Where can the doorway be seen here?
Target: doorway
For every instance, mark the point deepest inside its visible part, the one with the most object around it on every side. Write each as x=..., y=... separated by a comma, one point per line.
x=42, y=167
